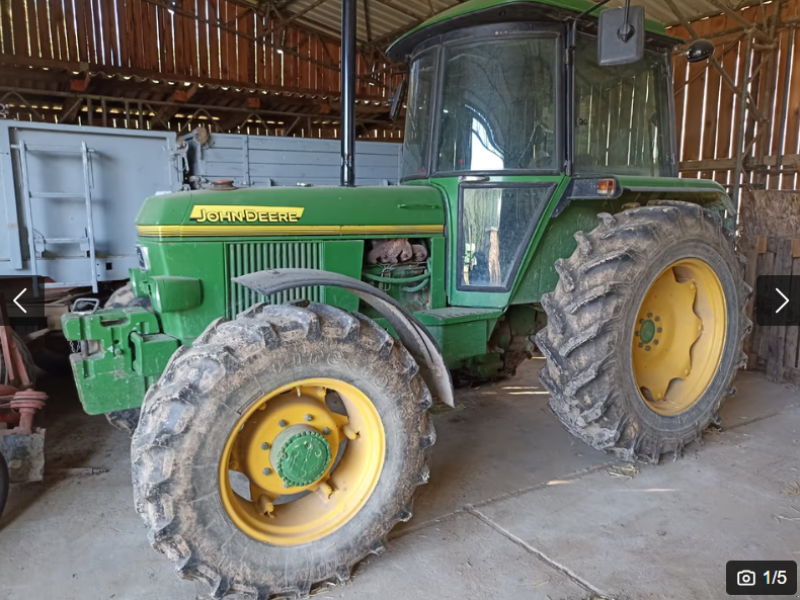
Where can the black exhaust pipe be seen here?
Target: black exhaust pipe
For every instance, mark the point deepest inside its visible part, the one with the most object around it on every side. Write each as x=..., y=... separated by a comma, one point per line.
x=348, y=84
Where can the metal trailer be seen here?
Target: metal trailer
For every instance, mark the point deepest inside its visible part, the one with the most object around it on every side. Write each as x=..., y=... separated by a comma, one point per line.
x=259, y=161
x=71, y=195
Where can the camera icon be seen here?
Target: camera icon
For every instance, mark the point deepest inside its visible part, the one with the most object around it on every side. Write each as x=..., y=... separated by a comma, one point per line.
x=745, y=578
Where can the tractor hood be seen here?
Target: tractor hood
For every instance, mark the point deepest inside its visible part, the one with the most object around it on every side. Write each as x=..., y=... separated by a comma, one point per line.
x=281, y=211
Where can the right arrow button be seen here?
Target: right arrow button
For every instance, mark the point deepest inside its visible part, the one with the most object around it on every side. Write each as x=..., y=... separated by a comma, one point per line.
x=785, y=301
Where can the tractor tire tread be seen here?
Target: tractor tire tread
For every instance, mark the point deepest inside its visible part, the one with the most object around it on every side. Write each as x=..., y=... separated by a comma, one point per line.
x=582, y=317
x=168, y=411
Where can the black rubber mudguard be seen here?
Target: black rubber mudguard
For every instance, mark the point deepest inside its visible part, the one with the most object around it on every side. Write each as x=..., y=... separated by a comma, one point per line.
x=412, y=333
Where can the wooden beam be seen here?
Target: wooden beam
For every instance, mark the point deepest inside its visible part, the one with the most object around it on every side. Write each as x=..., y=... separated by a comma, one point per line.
x=749, y=27
x=166, y=112
x=727, y=78
x=402, y=9
x=250, y=87
x=789, y=162
x=367, y=21
x=290, y=18
x=70, y=110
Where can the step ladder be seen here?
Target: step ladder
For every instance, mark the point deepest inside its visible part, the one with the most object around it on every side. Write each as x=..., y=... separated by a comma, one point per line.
x=87, y=241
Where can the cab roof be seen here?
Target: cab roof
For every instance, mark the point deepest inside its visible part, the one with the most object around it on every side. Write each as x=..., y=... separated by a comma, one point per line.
x=485, y=12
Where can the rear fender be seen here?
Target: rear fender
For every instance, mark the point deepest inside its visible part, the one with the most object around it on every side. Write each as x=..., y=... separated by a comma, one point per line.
x=412, y=333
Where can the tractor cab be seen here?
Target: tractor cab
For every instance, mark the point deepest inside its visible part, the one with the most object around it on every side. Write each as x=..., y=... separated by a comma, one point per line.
x=511, y=103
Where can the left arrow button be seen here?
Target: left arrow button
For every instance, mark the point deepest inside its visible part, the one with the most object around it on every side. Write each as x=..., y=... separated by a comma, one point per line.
x=16, y=301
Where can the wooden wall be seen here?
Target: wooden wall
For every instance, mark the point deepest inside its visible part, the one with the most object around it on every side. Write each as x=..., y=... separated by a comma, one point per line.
x=226, y=43
x=769, y=236
x=707, y=110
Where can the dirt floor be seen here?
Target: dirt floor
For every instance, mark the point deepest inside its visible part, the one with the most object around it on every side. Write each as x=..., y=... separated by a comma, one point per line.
x=515, y=509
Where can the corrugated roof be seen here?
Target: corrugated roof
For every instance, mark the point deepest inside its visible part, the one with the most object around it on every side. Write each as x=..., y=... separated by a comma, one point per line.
x=389, y=18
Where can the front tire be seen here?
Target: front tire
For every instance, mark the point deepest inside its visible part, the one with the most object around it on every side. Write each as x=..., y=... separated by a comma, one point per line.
x=215, y=413
x=645, y=330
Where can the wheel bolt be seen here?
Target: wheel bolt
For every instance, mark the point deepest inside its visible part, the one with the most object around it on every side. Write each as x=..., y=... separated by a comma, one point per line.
x=658, y=318
x=655, y=342
x=326, y=431
x=641, y=320
x=647, y=348
x=649, y=315
x=282, y=423
x=309, y=418
x=658, y=330
x=267, y=471
x=640, y=344
x=635, y=333
x=265, y=446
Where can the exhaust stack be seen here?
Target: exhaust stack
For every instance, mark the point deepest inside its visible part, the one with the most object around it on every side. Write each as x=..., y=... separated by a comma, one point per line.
x=348, y=98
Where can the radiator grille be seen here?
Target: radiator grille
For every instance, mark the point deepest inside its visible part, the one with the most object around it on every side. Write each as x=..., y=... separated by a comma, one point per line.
x=244, y=258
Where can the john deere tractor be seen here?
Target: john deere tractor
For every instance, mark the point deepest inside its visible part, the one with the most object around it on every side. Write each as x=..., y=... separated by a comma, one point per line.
x=298, y=336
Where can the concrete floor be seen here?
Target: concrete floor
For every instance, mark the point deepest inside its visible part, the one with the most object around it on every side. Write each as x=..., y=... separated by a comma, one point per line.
x=516, y=509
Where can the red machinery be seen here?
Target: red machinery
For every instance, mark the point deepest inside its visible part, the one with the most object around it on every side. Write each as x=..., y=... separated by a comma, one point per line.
x=21, y=444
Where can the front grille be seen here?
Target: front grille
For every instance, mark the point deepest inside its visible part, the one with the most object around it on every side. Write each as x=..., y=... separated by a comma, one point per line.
x=244, y=258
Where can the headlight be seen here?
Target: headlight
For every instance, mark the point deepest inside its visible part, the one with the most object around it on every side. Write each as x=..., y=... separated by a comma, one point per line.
x=144, y=259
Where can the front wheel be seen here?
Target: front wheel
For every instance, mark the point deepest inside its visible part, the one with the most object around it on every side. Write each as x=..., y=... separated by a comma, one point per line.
x=280, y=449
x=645, y=330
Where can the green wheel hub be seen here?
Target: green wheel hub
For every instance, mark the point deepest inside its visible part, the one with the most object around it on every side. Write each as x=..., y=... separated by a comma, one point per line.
x=647, y=331
x=301, y=455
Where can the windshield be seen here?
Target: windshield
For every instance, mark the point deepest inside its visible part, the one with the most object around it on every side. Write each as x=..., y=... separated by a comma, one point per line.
x=499, y=104
x=418, y=116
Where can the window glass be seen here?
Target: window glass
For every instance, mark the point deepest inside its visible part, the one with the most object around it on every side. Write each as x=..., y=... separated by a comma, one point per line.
x=496, y=224
x=622, y=121
x=498, y=110
x=418, y=115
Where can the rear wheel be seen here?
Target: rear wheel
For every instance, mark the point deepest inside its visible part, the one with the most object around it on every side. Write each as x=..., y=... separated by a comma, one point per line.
x=281, y=449
x=645, y=330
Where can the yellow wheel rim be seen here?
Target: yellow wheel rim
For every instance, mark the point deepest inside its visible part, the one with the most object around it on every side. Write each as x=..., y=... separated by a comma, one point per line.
x=277, y=512
x=679, y=336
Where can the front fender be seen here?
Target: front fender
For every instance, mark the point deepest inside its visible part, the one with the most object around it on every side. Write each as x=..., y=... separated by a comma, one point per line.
x=412, y=333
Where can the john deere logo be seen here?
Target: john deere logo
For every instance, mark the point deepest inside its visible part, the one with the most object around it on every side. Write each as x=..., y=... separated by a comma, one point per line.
x=245, y=214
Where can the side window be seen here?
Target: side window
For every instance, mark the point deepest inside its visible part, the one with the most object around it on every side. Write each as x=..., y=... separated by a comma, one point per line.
x=496, y=224
x=622, y=121
x=418, y=115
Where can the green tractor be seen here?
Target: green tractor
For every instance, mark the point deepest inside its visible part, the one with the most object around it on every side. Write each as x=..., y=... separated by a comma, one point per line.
x=298, y=336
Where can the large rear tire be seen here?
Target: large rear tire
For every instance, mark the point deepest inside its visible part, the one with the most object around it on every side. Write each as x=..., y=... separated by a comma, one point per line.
x=645, y=330
x=223, y=410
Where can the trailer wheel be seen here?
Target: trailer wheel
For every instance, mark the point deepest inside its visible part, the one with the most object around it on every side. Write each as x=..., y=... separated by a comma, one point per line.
x=123, y=297
x=645, y=330
x=281, y=449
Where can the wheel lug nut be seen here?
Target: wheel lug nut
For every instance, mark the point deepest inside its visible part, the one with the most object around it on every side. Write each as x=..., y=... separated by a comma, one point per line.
x=282, y=423
x=649, y=315
x=658, y=318
x=326, y=431
x=635, y=333
x=640, y=344
x=267, y=471
x=658, y=330
x=265, y=446
x=309, y=418
x=647, y=348
x=655, y=342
